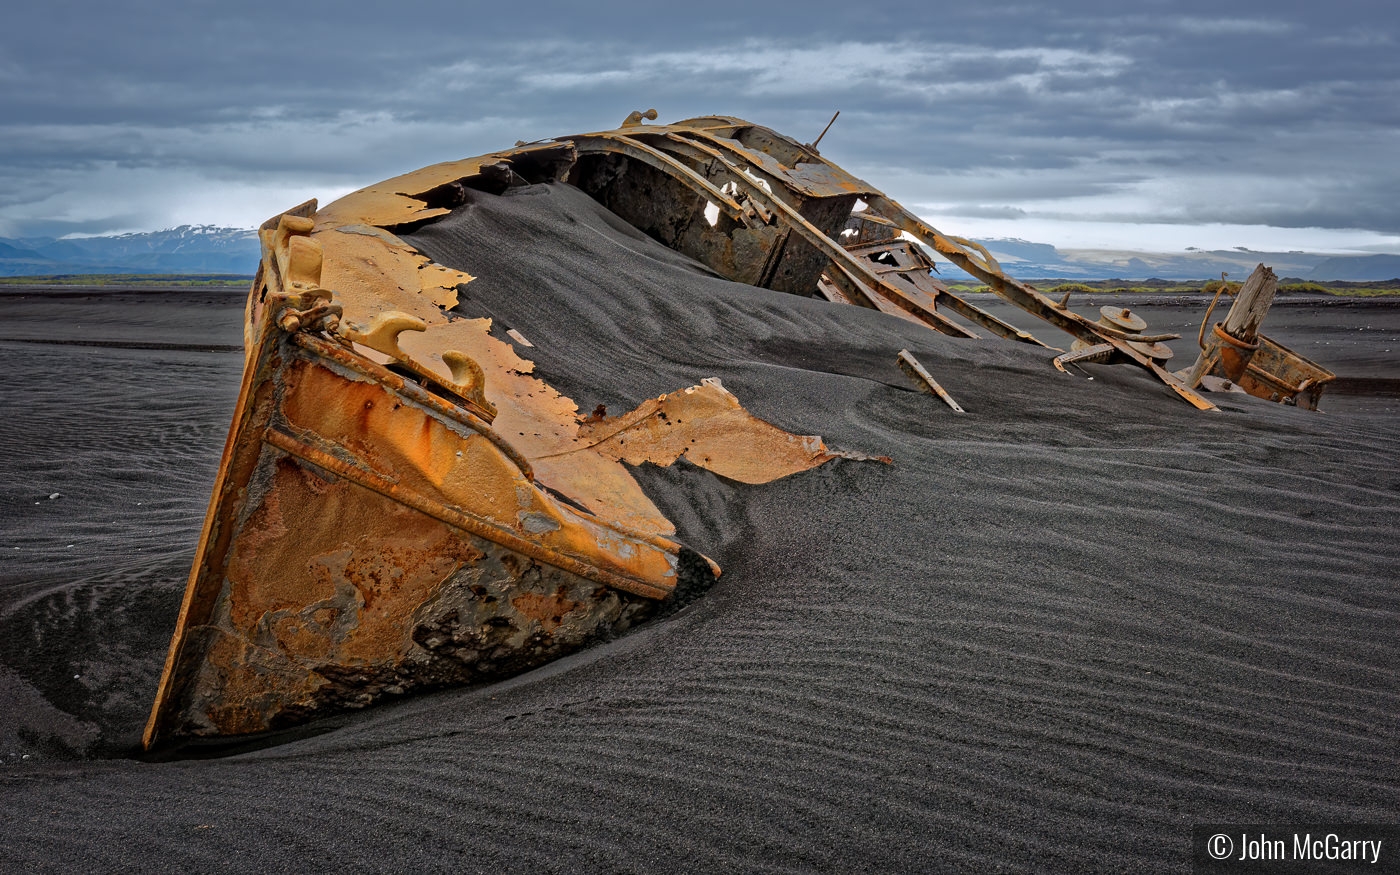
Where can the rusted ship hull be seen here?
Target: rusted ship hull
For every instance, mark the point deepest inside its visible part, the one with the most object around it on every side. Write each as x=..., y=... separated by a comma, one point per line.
x=403, y=504
x=358, y=551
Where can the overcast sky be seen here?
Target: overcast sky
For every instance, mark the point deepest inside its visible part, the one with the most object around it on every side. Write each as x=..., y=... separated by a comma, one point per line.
x=1147, y=125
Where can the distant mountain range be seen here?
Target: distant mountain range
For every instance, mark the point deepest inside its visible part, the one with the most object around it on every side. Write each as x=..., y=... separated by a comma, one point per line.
x=1024, y=259
x=209, y=249
x=186, y=249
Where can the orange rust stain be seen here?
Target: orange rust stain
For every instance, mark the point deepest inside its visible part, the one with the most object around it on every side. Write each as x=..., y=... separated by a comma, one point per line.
x=298, y=637
x=421, y=452
x=547, y=610
x=383, y=573
x=347, y=540
x=466, y=472
x=263, y=535
x=252, y=683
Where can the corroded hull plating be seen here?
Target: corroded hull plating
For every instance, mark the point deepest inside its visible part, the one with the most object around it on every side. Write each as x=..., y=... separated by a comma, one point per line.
x=362, y=552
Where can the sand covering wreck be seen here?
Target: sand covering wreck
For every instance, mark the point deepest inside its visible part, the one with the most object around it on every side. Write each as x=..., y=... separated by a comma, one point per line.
x=402, y=504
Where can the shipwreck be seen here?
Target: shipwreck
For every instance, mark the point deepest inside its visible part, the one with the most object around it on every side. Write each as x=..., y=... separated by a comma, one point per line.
x=403, y=504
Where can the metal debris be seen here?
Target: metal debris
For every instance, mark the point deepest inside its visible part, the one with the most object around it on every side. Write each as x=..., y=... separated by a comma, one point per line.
x=707, y=426
x=1236, y=352
x=913, y=368
x=1084, y=353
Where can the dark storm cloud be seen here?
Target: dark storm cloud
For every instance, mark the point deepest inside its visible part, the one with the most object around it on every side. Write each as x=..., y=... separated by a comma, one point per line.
x=111, y=112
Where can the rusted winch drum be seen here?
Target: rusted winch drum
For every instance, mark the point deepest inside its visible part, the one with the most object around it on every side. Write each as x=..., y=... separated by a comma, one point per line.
x=1123, y=319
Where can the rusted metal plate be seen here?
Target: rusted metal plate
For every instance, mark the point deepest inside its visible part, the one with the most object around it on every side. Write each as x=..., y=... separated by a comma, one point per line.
x=357, y=512
x=1121, y=318
x=339, y=595
x=707, y=426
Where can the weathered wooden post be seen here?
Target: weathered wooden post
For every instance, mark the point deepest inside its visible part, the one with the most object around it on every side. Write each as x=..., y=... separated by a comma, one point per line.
x=1233, y=342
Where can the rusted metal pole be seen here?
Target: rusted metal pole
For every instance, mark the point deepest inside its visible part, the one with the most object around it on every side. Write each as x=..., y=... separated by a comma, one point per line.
x=915, y=369
x=825, y=129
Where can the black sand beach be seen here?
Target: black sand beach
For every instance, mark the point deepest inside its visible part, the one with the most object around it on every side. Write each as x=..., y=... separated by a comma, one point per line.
x=1051, y=636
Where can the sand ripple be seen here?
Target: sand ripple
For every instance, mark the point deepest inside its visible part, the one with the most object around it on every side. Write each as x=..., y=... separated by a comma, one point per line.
x=1053, y=635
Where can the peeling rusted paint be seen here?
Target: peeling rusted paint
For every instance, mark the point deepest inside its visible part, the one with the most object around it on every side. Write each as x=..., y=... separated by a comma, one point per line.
x=707, y=426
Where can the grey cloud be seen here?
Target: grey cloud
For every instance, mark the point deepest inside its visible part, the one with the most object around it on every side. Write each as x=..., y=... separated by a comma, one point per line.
x=980, y=211
x=997, y=107
x=1216, y=27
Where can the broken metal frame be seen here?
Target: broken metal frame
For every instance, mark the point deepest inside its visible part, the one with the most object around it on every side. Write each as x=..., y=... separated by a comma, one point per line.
x=707, y=156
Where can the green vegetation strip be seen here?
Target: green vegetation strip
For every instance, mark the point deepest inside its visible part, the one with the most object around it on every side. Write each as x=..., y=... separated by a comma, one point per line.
x=1056, y=288
x=135, y=280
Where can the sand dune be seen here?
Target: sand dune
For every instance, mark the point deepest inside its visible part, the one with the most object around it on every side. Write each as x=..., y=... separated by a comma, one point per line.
x=1052, y=635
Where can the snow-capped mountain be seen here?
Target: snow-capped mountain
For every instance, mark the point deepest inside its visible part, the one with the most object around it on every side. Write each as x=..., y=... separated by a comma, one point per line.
x=186, y=249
